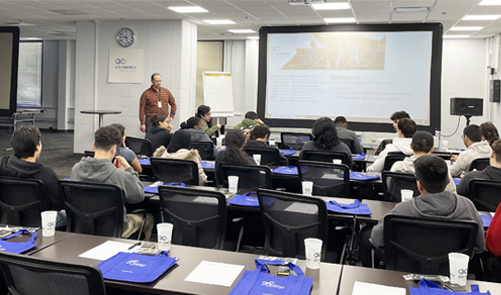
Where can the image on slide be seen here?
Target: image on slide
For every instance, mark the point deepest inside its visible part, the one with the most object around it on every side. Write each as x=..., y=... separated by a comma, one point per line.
x=339, y=51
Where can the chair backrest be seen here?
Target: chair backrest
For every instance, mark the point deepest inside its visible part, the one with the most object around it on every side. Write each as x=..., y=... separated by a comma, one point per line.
x=328, y=179
x=175, y=170
x=479, y=164
x=269, y=156
x=89, y=154
x=28, y=275
x=391, y=158
x=485, y=194
x=324, y=156
x=382, y=145
x=199, y=216
x=204, y=148
x=22, y=200
x=349, y=143
x=295, y=140
x=289, y=219
x=93, y=208
x=140, y=146
x=421, y=246
x=394, y=182
x=250, y=177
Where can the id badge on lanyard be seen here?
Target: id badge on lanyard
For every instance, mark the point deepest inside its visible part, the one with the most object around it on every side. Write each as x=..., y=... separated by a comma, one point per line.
x=159, y=104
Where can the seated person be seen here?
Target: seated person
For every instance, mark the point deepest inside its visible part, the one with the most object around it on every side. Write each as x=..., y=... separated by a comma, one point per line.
x=101, y=169
x=194, y=127
x=344, y=133
x=492, y=172
x=476, y=148
x=179, y=149
x=125, y=152
x=259, y=137
x=233, y=154
x=406, y=129
x=432, y=178
x=160, y=132
x=422, y=145
x=395, y=117
x=489, y=132
x=204, y=113
x=251, y=120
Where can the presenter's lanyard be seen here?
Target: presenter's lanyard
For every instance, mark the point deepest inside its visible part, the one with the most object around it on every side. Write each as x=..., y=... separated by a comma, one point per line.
x=159, y=94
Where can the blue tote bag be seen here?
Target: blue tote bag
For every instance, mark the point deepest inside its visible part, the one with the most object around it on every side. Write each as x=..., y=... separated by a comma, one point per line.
x=20, y=247
x=429, y=288
x=137, y=268
x=248, y=200
x=352, y=208
x=260, y=282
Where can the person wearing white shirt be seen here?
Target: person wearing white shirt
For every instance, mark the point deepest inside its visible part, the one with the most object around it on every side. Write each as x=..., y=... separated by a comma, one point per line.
x=476, y=148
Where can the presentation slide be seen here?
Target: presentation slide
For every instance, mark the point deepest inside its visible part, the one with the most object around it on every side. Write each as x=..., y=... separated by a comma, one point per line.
x=364, y=75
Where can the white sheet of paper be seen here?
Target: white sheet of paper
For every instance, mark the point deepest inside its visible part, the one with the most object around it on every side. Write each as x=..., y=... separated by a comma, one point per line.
x=215, y=273
x=361, y=288
x=106, y=250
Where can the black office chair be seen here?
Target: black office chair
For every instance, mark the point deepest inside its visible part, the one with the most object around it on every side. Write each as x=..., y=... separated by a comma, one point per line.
x=199, y=216
x=349, y=143
x=391, y=158
x=89, y=154
x=289, y=219
x=295, y=140
x=485, y=194
x=419, y=245
x=269, y=156
x=250, y=177
x=394, y=182
x=328, y=179
x=175, y=170
x=479, y=164
x=94, y=208
x=382, y=145
x=204, y=148
x=140, y=146
x=22, y=200
x=28, y=275
x=325, y=156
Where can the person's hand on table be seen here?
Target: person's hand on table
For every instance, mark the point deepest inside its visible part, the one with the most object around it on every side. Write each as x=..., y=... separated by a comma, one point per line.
x=122, y=163
x=454, y=158
x=142, y=128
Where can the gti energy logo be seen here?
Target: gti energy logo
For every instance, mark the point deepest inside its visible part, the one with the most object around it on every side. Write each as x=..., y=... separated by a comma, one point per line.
x=121, y=64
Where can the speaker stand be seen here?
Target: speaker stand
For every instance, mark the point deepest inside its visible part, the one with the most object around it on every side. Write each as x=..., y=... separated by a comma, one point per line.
x=468, y=117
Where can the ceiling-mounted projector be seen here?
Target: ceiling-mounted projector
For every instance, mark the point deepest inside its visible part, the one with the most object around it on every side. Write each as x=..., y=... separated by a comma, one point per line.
x=306, y=2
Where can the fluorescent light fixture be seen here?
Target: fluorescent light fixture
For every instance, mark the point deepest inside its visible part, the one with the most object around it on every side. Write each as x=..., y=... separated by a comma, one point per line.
x=412, y=9
x=219, y=21
x=30, y=39
x=490, y=3
x=482, y=17
x=253, y=37
x=243, y=31
x=187, y=9
x=466, y=28
x=456, y=36
x=331, y=6
x=340, y=20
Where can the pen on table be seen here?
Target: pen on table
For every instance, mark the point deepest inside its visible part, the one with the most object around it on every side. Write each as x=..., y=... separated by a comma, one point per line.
x=134, y=245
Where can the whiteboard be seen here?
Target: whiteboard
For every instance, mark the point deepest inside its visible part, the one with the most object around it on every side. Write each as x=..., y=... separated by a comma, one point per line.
x=218, y=93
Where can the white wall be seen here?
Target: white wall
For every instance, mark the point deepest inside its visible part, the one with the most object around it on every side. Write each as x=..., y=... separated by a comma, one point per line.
x=169, y=49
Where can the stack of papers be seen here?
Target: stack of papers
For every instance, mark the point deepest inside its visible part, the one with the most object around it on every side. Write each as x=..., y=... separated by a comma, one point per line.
x=215, y=273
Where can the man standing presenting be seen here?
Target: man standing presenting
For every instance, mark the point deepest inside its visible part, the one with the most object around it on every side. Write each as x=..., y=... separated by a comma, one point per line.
x=156, y=100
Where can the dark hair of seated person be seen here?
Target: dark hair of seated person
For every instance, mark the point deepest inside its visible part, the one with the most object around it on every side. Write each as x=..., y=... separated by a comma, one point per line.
x=25, y=140
x=106, y=137
x=251, y=115
x=191, y=123
x=489, y=132
x=235, y=140
x=432, y=172
x=120, y=128
x=399, y=115
x=202, y=110
x=407, y=126
x=260, y=131
x=324, y=134
x=156, y=119
x=473, y=132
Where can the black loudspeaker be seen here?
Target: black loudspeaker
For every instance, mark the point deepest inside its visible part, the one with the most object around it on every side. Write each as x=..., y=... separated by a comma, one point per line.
x=467, y=106
x=495, y=91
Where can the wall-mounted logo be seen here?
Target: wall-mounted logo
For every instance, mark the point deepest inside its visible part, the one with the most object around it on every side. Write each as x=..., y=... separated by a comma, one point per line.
x=274, y=48
x=120, y=61
x=120, y=64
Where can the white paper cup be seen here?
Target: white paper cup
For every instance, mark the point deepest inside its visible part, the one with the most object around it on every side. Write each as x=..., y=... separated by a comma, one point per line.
x=219, y=141
x=406, y=194
x=458, y=266
x=337, y=161
x=233, y=184
x=307, y=188
x=272, y=143
x=257, y=158
x=164, y=233
x=49, y=223
x=313, y=251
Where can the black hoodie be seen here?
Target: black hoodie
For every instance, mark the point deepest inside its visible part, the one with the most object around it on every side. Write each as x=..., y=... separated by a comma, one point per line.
x=490, y=173
x=12, y=166
x=158, y=137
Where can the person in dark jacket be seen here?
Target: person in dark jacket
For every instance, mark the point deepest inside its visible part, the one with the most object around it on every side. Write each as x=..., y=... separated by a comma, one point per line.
x=259, y=137
x=194, y=127
x=233, y=154
x=160, y=132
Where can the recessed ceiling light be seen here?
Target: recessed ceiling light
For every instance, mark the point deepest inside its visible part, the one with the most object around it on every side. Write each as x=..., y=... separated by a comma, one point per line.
x=219, y=21
x=490, y=3
x=253, y=37
x=244, y=31
x=412, y=9
x=456, y=36
x=466, y=28
x=482, y=17
x=331, y=6
x=340, y=20
x=188, y=9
